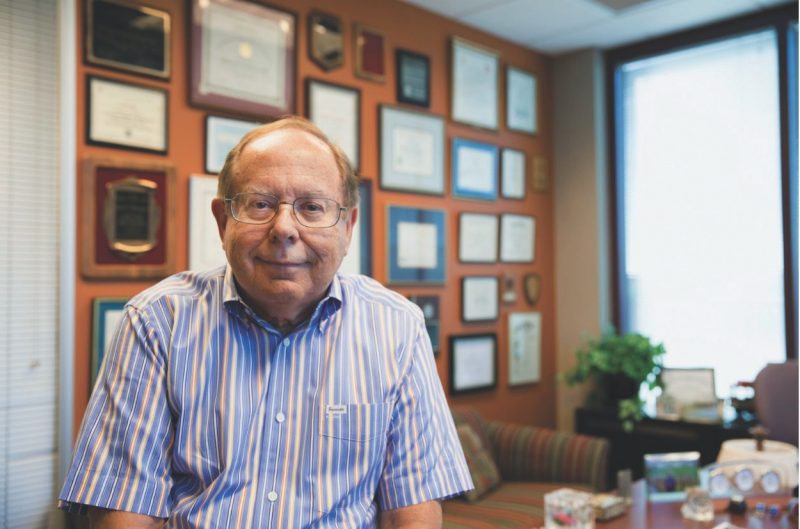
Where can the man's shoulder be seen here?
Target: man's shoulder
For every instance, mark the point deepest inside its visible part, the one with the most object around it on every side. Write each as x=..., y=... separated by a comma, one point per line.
x=362, y=289
x=183, y=285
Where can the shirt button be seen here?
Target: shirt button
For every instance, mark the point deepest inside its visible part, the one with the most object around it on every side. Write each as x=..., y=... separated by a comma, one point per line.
x=286, y=342
x=280, y=417
x=272, y=496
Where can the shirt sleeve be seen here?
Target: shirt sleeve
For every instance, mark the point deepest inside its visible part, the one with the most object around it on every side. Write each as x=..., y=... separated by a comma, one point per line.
x=424, y=459
x=121, y=458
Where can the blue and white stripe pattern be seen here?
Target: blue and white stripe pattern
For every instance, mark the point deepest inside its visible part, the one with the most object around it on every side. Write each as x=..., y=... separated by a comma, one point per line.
x=204, y=414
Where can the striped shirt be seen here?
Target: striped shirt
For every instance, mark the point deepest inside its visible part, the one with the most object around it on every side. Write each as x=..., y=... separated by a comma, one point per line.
x=205, y=414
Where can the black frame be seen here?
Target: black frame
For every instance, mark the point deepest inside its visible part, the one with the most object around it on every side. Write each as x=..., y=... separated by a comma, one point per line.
x=433, y=323
x=356, y=92
x=782, y=19
x=400, y=58
x=452, y=341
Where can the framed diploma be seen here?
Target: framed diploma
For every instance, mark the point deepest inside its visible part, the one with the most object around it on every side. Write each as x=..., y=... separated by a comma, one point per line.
x=477, y=238
x=513, y=174
x=430, y=309
x=127, y=36
x=243, y=57
x=474, y=167
x=524, y=347
x=205, y=246
x=520, y=100
x=325, y=40
x=222, y=135
x=106, y=315
x=517, y=238
x=412, y=151
x=125, y=115
x=358, y=259
x=474, y=84
x=413, y=74
x=473, y=362
x=128, y=224
x=336, y=110
x=370, y=51
x=479, y=299
x=416, y=245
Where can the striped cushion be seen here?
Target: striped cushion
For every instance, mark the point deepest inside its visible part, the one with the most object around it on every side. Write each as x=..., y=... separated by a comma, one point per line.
x=512, y=505
x=481, y=466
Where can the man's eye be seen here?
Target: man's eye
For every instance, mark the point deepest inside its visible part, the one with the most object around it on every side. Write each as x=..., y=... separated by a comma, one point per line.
x=260, y=205
x=312, y=207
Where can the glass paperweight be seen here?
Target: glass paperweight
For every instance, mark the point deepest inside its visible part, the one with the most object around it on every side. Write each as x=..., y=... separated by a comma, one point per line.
x=568, y=508
x=698, y=506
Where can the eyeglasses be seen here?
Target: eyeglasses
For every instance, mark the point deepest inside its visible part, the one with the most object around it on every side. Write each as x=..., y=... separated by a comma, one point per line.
x=259, y=208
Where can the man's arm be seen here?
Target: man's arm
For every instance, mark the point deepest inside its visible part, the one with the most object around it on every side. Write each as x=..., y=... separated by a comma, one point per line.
x=106, y=519
x=427, y=515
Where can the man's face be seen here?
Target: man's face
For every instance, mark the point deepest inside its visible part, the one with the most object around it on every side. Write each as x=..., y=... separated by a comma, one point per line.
x=282, y=267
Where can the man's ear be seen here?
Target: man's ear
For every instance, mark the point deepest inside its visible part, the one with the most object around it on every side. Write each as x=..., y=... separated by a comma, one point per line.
x=218, y=209
x=350, y=221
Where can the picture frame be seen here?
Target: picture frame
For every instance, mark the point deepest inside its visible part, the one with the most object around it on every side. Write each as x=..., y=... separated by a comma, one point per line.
x=473, y=363
x=521, y=101
x=205, y=246
x=524, y=348
x=669, y=475
x=411, y=151
x=126, y=116
x=128, y=225
x=413, y=77
x=106, y=315
x=416, y=245
x=336, y=110
x=509, y=289
x=477, y=237
x=222, y=135
x=513, y=174
x=430, y=309
x=517, y=238
x=688, y=393
x=358, y=259
x=480, y=299
x=474, y=166
x=474, y=84
x=243, y=58
x=325, y=40
x=126, y=36
x=370, y=51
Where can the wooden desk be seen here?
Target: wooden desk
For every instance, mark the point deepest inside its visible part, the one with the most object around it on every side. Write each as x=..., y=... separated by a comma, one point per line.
x=644, y=515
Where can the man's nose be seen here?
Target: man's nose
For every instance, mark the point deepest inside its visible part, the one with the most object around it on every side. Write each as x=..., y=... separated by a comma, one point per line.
x=284, y=224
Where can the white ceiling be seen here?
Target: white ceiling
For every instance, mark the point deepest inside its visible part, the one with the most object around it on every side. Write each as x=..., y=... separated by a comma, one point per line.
x=554, y=27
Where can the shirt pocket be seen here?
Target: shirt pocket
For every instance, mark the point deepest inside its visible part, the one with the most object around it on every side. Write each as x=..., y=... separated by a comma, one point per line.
x=351, y=454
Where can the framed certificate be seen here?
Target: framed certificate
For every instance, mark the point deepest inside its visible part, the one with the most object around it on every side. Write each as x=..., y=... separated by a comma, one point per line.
x=477, y=238
x=430, y=309
x=474, y=84
x=106, y=315
x=358, y=259
x=474, y=167
x=125, y=115
x=416, y=245
x=370, y=51
x=412, y=151
x=413, y=74
x=473, y=362
x=325, y=40
x=479, y=299
x=520, y=100
x=205, y=246
x=243, y=57
x=128, y=224
x=126, y=36
x=524, y=347
x=336, y=110
x=222, y=135
x=513, y=174
x=517, y=238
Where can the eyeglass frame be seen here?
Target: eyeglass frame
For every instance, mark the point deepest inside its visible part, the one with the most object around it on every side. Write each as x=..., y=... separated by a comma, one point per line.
x=229, y=203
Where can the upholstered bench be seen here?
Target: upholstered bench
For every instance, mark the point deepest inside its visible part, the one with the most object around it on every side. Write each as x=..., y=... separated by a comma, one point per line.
x=514, y=466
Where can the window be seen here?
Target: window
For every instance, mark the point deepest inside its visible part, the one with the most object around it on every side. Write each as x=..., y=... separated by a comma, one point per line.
x=704, y=263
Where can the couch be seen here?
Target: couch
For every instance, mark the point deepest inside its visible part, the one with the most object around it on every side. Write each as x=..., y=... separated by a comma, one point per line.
x=514, y=466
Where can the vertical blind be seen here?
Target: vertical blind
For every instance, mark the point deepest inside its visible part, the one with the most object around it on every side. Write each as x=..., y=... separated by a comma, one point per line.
x=29, y=216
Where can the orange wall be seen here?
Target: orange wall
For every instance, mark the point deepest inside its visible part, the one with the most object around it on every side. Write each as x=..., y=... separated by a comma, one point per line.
x=406, y=27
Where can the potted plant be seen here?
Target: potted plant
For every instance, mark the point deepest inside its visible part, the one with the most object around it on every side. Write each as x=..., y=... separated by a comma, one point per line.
x=618, y=365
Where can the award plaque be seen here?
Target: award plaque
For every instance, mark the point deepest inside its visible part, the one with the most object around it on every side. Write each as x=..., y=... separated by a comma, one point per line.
x=325, y=40
x=370, y=46
x=129, y=228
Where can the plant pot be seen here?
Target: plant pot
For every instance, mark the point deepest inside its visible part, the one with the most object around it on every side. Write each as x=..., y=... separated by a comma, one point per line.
x=619, y=386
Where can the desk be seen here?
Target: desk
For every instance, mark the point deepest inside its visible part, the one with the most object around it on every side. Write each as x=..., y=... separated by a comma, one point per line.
x=644, y=515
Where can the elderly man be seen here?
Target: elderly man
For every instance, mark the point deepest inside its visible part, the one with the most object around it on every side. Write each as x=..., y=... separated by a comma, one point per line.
x=272, y=392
